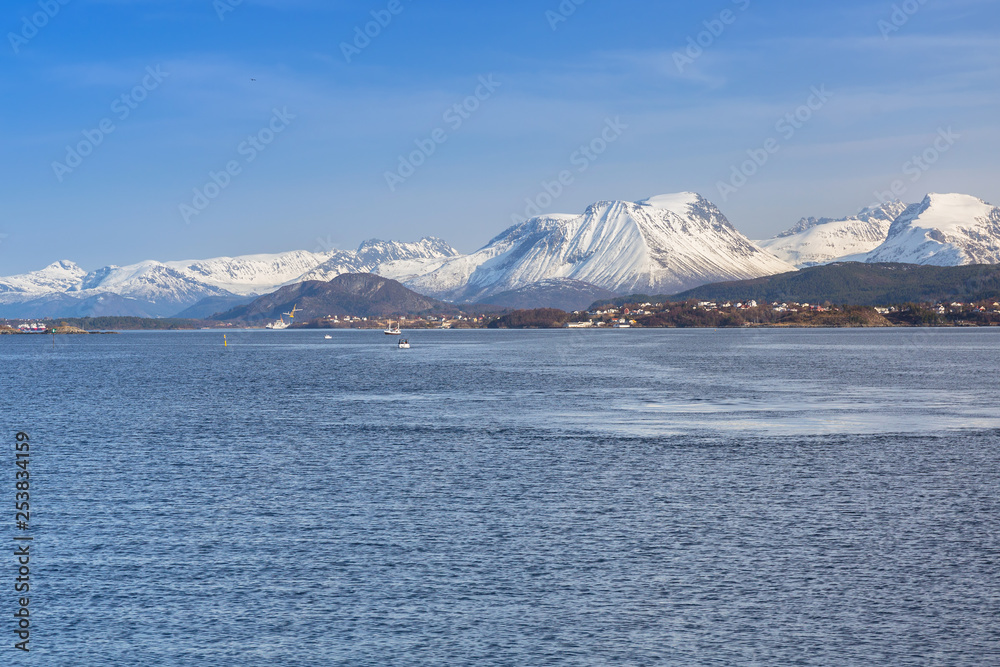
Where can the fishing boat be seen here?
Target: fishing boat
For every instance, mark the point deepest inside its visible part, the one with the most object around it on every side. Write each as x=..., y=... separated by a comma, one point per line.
x=403, y=344
x=393, y=329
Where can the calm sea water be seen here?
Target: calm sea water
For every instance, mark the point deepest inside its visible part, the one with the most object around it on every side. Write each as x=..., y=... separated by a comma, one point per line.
x=509, y=498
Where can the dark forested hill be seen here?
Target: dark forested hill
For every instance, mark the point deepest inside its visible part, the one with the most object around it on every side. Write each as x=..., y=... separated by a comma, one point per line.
x=357, y=294
x=856, y=284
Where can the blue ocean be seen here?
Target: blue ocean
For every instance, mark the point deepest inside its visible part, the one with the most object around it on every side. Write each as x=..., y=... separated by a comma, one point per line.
x=689, y=497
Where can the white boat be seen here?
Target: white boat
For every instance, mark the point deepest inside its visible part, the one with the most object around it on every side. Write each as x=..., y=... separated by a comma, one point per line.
x=281, y=323
x=404, y=344
x=393, y=330
x=328, y=337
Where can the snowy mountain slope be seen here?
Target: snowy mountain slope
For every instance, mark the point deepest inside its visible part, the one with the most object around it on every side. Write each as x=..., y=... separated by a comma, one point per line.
x=659, y=245
x=57, y=277
x=251, y=274
x=943, y=230
x=147, y=288
x=166, y=288
x=822, y=240
x=374, y=251
x=373, y=256
x=153, y=282
x=260, y=274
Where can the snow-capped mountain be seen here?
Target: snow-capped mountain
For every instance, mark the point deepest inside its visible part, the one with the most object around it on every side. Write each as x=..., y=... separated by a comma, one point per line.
x=153, y=282
x=251, y=274
x=373, y=255
x=57, y=277
x=660, y=245
x=943, y=230
x=163, y=289
x=823, y=240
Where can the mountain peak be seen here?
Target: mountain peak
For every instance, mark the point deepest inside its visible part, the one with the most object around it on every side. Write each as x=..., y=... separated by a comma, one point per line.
x=358, y=294
x=678, y=202
x=428, y=246
x=943, y=230
x=947, y=212
x=815, y=241
x=953, y=197
x=62, y=265
x=659, y=245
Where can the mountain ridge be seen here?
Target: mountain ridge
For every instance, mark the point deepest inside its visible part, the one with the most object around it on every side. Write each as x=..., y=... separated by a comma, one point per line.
x=663, y=244
x=943, y=230
x=164, y=289
x=814, y=241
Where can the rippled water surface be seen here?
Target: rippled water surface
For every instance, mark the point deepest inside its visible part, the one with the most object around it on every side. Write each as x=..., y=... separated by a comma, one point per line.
x=510, y=498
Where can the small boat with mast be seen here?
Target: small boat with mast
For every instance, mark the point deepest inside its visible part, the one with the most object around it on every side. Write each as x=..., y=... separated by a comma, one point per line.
x=393, y=329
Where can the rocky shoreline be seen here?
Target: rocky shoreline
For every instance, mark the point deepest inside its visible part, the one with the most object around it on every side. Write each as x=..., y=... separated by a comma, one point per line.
x=64, y=330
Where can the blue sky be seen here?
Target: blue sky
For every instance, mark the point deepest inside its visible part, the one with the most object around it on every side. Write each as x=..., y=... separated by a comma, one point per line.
x=895, y=78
